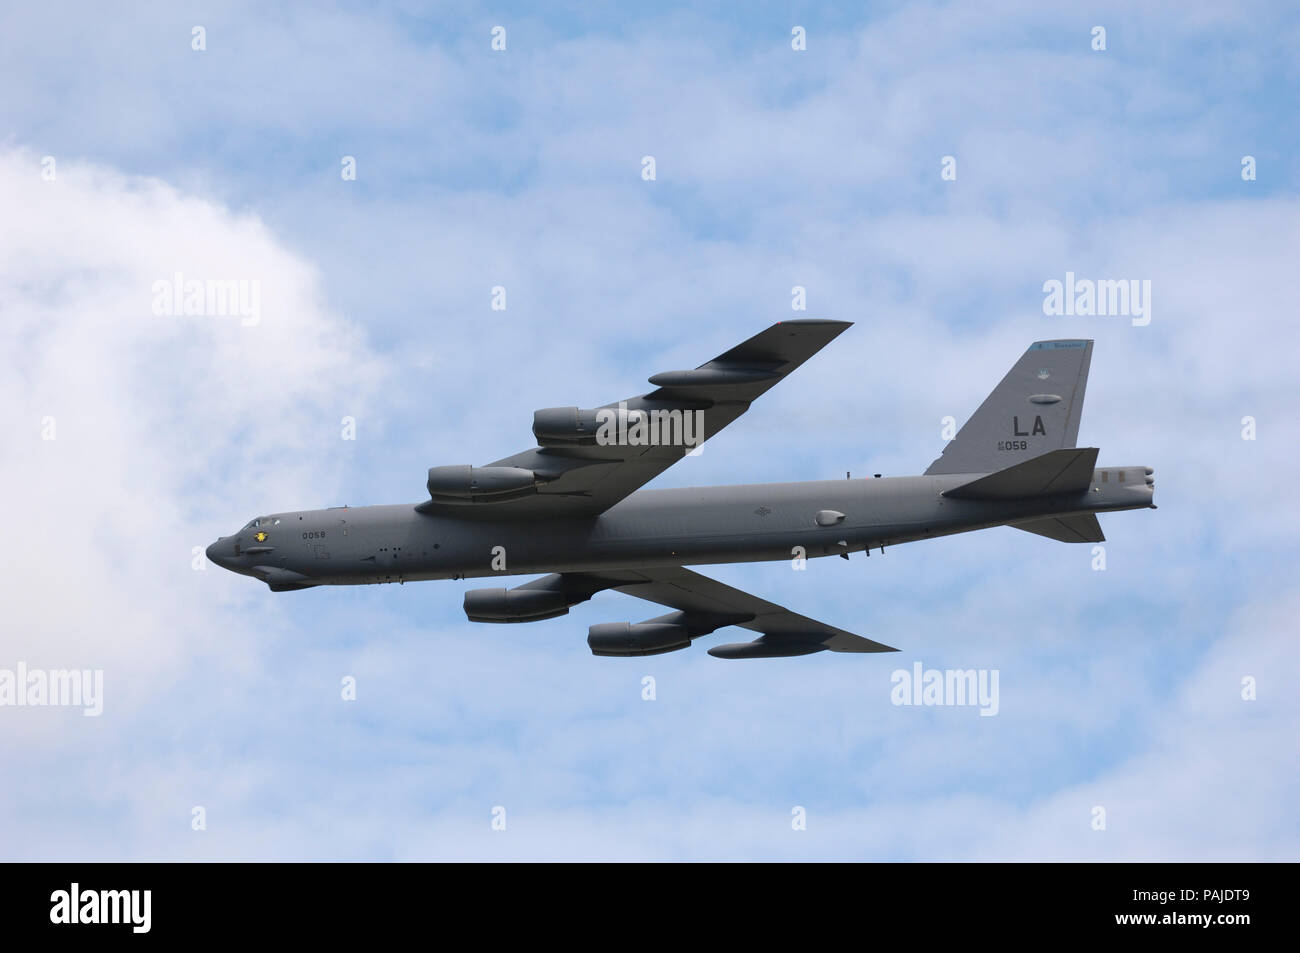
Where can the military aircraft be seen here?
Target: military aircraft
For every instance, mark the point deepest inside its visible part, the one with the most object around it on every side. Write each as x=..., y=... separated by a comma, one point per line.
x=572, y=506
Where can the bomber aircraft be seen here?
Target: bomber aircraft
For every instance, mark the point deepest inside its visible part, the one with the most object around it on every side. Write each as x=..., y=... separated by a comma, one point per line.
x=573, y=506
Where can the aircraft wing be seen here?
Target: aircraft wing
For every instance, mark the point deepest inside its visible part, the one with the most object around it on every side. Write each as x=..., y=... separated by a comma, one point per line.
x=576, y=472
x=705, y=604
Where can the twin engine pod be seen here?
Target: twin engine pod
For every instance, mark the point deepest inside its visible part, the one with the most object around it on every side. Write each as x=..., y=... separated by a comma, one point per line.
x=666, y=633
x=517, y=605
x=466, y=484
x=639, y=638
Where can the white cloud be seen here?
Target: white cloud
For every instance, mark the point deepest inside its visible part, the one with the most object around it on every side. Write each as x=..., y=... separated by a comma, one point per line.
x=169, y=430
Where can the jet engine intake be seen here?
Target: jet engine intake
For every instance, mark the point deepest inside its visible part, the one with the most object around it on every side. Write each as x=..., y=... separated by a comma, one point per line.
x=564, y=426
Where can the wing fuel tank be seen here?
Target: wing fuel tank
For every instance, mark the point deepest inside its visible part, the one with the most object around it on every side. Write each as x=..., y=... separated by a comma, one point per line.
x=761, y=648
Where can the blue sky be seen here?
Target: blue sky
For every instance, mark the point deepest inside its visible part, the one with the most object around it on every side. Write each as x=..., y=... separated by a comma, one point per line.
x=1119, y=688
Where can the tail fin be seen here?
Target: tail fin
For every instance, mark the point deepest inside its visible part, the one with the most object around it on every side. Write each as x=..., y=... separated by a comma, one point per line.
x=1034, y=410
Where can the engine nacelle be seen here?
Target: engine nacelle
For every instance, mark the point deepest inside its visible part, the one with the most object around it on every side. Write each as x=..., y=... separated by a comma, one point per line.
x=515, y=605
x=489, y=484
x=642, y=638
x=561, y=426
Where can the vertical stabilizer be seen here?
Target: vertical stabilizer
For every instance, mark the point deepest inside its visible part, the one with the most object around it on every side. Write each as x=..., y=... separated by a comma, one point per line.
x=1034, y=410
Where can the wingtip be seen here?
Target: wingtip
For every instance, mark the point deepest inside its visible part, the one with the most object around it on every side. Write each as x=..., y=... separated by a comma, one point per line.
x=816, y=321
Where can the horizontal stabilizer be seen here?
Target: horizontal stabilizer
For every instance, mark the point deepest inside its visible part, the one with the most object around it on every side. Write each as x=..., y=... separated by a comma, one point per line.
x=1082, y=528
x=1054, y=472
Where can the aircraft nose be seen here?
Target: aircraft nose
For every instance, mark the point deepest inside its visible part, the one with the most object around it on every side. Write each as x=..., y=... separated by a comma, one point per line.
x=221, y=552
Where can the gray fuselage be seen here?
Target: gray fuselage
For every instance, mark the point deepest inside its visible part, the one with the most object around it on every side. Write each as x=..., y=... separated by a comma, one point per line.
x=690, y=526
